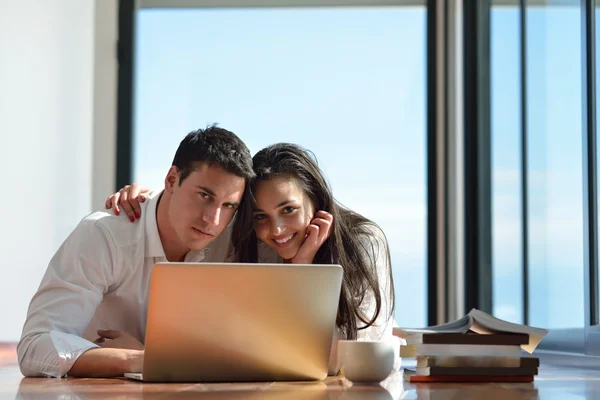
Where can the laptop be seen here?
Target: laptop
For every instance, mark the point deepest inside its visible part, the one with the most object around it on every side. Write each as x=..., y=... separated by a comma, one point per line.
x=235, y=322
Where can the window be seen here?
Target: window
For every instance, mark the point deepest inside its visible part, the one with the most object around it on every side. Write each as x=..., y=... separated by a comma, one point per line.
x=554, y=163
x=347, y=83
x=554, y=105
x=507, y=262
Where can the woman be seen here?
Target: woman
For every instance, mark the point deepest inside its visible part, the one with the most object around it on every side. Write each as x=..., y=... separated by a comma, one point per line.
x=289, y=190
x=290, y=215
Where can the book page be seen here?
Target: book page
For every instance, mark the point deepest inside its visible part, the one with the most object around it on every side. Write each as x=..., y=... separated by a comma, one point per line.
x=458, y=326
x=487, y=324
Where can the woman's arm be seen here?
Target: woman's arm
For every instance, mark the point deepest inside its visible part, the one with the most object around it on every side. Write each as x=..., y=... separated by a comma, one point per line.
x=382, y=328
x=377, y=252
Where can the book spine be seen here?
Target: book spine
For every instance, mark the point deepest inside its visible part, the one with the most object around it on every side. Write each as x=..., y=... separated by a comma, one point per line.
x=412, y=351
x=483, y=362
x=470, y=371
x=452, y=362
x=466, y=378
x=461, y=338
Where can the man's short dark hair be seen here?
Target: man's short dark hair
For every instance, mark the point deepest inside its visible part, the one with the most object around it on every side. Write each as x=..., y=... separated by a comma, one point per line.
x=213, y=145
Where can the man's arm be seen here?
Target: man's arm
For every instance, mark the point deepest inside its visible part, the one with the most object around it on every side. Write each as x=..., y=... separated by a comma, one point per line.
x=77, y=277
x=106, y=363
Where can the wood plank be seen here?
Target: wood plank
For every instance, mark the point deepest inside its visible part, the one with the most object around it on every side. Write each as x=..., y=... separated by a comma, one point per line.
x=554, y=381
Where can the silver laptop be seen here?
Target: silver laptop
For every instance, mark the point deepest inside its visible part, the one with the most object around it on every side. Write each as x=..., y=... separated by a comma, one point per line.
x=226, y=322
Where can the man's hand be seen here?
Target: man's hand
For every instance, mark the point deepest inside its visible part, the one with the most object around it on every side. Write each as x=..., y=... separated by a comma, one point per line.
x=118, y=340
x=107, y=363
x=316, y=234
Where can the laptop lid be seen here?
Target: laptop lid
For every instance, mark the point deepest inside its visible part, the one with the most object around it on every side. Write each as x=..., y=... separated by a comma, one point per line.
x=231, y=322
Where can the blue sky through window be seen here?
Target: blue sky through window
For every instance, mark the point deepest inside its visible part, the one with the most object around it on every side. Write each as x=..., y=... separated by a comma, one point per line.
x=347, y=83
x=554, y=114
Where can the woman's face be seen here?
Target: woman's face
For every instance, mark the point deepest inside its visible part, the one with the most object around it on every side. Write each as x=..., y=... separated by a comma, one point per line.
x=283, y=212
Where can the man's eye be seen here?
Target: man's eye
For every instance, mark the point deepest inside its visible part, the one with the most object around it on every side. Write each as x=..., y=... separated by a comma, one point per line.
x=204, y=195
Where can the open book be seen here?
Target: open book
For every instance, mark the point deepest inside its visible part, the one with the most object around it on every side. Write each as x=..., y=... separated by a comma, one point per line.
x=482, y=323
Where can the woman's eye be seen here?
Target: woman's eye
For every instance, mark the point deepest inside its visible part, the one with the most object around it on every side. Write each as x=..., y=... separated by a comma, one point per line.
x=204, y=195
x=259, y=217
x=289, y=209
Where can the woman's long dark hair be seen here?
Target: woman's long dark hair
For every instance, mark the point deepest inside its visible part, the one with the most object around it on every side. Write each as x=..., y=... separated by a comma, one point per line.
x=346, y=245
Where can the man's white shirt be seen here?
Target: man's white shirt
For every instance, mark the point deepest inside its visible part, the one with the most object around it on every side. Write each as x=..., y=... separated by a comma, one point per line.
x=98, y=279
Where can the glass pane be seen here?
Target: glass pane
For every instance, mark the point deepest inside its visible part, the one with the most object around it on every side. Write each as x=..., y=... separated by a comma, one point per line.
x=554, y=115
x=507, y=264
x=343, y=82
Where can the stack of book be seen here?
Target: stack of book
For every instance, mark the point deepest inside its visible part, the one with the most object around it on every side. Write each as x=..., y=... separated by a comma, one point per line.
x=475, y=348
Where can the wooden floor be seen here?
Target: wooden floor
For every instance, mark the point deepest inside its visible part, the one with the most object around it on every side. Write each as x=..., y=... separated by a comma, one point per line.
x=560, y=378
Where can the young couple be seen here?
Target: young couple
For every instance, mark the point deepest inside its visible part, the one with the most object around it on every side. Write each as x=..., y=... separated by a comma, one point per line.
x=88, y=316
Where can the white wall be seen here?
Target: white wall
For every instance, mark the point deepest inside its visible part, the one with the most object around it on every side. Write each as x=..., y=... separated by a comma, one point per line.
x=49, y=113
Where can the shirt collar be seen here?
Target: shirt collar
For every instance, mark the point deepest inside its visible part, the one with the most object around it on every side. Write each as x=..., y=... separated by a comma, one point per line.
x=154, y=247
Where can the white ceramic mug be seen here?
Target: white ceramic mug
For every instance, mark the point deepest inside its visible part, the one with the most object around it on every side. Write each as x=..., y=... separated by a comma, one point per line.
x=366, y=361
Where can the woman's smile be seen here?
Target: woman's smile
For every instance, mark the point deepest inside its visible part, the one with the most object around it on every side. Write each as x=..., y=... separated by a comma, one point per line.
x=283, y=241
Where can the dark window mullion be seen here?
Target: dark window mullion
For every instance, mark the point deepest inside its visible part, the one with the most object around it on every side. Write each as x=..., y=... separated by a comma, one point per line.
x=589, y=164
x=477, y=161
x=125, y=56
x=524, y=169
x=432, y=175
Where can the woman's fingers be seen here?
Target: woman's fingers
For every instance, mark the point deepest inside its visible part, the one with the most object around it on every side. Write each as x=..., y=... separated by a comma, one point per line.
x=126, y=205
x=128, y=199
x=136, y=196
x=312, y=235
x=115, y=202
x=325, y=215
x=108, y=204
x=323, y=220
x=306, y=252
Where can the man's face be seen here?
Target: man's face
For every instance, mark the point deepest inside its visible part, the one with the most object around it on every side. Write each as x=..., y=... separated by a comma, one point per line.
x=204, y=204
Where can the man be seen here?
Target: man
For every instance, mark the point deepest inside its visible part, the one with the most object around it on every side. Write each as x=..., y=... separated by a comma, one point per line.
x=98, y=279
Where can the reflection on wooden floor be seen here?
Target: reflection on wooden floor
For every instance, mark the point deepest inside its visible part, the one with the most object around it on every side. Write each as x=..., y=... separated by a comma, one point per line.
x=558, y=379
x=8, y=354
